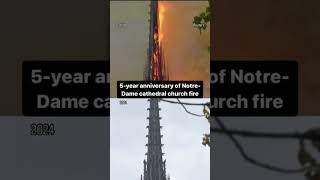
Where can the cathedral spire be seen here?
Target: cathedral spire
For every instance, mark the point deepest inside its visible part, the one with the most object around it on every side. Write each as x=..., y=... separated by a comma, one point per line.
x=154, y=166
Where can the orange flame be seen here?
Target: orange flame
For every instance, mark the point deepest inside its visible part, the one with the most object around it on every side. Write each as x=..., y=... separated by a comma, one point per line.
x=162, y=10
x=157, y=67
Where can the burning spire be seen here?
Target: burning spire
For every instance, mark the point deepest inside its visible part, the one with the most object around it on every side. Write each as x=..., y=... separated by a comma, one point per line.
x=155, y=166
x=156, y=64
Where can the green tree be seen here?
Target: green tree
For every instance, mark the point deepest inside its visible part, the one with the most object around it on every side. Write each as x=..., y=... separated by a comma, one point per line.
x=201, y=21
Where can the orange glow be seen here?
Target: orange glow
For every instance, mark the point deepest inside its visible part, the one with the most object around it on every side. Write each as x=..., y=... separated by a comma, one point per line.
x=157, y=67
x=162, y=10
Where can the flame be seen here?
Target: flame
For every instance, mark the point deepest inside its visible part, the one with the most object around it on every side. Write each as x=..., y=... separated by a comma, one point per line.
x=157, y=65
x=162, y=10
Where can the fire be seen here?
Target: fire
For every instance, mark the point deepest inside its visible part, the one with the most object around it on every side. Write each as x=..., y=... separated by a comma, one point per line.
x=162, y=10
x=157, y=64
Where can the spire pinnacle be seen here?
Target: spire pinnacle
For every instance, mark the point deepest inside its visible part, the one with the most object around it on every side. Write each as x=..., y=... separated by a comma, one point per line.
x=154, y=166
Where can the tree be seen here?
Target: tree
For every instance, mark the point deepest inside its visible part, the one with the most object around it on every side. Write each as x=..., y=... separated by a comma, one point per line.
x=201, y=21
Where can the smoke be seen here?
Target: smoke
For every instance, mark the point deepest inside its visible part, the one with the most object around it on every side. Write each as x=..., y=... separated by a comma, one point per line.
x=186, y=50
